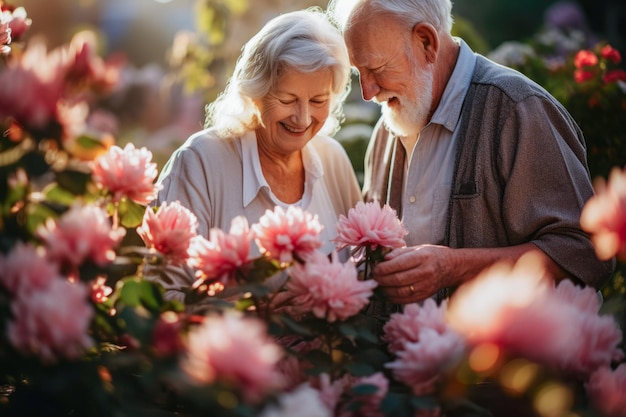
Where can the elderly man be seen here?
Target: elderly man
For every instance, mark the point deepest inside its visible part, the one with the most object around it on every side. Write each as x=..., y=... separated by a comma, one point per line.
x=483, y=164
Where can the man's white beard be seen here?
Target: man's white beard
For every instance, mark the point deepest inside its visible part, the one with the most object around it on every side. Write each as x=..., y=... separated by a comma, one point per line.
x=413, y=113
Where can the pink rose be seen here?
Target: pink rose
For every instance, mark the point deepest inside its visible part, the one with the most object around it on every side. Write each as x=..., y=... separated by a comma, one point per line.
x=222, y=255
x=52, y=323
x=606, y=389
x=236, y=351
x=329, y=289
x=370, y=225
x=81, y=233
x=127, y=172
x=288, y=235
x=604, y=216
x=169, y=231
x=26, y=269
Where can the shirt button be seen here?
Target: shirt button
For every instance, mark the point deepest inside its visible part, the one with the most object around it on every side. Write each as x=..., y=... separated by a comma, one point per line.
x=412, y=199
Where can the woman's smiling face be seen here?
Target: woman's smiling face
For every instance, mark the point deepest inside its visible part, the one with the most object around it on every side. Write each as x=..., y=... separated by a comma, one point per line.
x=295, y=110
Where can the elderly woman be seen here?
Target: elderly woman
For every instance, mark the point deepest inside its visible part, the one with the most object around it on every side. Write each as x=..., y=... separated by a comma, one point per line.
x=267, y=139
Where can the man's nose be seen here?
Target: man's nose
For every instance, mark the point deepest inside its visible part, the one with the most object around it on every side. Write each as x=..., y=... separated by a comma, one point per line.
x=369, y=87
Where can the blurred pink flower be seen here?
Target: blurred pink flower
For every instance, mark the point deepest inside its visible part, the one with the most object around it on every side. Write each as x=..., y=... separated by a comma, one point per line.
x=25, y=269
x=52, y=323
x=424, y=344
x=85, y=66
x=303, y=401
x=32, y=86
x=100, y=291
x=169, y=231
x=81, y=233
x=288, y=235
x=606, y=389
x=513, y=307
x=609, y=53
x=420, y=365
x=167, y=335
x=18, y=22
x=236, y=351
x=220, y=256
x=604, y=216
x=370, y=225
x=127, y=172
x=405, y=327
x=327, y=288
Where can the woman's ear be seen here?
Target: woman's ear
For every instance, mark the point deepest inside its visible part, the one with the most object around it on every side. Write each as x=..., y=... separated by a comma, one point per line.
x=428, y=38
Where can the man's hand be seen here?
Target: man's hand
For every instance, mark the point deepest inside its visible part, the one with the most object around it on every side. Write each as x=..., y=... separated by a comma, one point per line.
x=414, y=273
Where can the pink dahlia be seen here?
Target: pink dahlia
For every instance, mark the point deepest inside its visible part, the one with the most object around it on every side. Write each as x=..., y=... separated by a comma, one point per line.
x=370, y=225
x=52, y=323
x=369, y=405
x=81, y=233
x=420, y=365
x=405, y=327
x=127, y=172
x=26, y=269
x=513, y=309
x=236, y=351
x=288, y=235
x=606, y=389
x=604, y=216
x=169, y=230
x=220, y=256
x=328, y=288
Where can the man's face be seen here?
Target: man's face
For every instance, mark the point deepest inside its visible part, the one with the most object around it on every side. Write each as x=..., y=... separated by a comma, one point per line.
x=391, y=72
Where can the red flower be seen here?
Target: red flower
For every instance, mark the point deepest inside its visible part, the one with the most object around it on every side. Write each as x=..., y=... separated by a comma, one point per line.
x=610, y=53
x=614, y=76
x=581, y=76
x=585, y=58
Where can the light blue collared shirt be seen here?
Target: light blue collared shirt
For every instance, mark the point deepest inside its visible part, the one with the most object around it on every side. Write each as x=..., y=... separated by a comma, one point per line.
x=428, y=178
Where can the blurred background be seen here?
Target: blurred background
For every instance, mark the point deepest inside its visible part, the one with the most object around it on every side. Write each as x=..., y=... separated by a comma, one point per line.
x=179, y=53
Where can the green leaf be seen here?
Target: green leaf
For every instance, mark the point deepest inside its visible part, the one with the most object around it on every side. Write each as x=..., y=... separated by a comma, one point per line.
x=130, y=213
x=76, y=182
x=364, y=389
x=136, y=292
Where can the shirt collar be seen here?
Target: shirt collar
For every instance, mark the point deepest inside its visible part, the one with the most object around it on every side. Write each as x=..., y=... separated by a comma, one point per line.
x=448, y=112
x=254, y=181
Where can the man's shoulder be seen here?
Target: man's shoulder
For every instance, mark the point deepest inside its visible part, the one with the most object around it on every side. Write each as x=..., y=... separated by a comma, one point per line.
x=490, y=75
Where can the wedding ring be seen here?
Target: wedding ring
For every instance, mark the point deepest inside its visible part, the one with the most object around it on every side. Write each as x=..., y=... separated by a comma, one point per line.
x=412, y=288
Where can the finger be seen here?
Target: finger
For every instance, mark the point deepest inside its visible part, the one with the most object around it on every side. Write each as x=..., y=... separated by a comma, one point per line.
x=397, y=252
x=404, y=294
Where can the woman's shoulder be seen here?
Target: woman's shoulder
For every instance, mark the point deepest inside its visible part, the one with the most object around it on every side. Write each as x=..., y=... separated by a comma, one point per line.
x=208, y=139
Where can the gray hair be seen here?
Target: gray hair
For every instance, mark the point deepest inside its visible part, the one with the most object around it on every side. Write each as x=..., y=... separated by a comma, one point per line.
x=408, y=12
x=305, y=41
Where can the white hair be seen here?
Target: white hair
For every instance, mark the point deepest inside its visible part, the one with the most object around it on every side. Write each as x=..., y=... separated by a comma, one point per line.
x=409, y=12
x=305, y=41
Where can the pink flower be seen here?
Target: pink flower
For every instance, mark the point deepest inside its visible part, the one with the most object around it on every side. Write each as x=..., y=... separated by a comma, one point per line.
x=169, y=230
x=514, y=307
x=222, y=254
x=288, y=235
x=166, y=335
x=52, y=323
x=606, y=389
x=81, y=233
x=425, y=345
x=604, y=216
x=405, y=327
x=26, y=269
x=420, y=365
x=32, y=86
x=303, y=401
x=585, y=58
x=370, y=225
x=100, y=291
x=18, y=22
x=236, y=351
x=329, y=289
x=127, y=172
x=611, y=54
